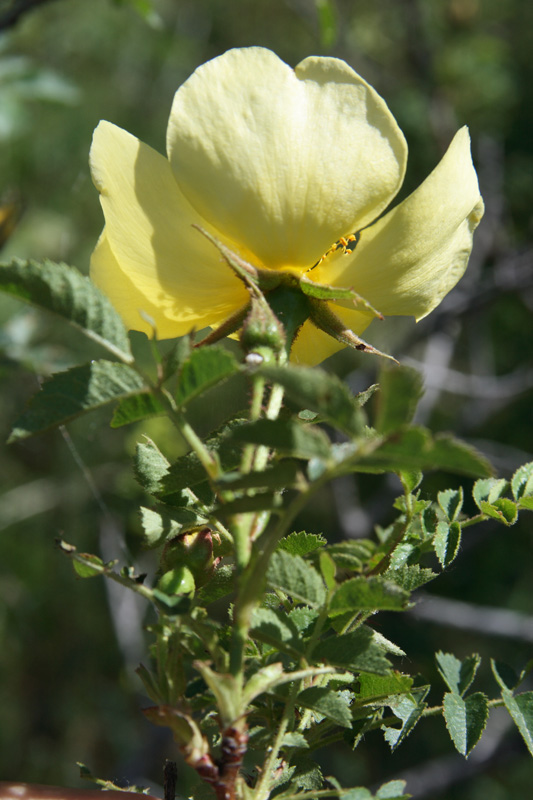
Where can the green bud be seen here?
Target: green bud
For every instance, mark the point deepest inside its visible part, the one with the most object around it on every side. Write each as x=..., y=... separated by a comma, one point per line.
x=179, y=580
x=194, y=550
x=261, y=329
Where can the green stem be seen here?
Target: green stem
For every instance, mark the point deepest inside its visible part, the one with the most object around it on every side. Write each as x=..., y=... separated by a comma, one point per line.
x=262, y=789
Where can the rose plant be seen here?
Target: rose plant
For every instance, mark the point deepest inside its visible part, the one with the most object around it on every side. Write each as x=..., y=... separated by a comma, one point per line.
x=267, y=222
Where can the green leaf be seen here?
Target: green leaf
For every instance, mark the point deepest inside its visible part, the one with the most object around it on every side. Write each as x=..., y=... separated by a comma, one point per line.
x=522, y=481
x=382, y=686
x=393, y=790
x=327, y=569
x=66, y=292
x=313, y=388
x=85, y=570
x=301, y=543
x=465, y=719
x=505, y=675
x=520, y=707
x=458, y=675
x=286, y=436
x=488, y=497
x=447, y=541
x=408, y=708
x=277, y=629
x=362, y=398
x=351, y=554
x=135, y=408
x=367, y=594
x=294, y=739
x=451, y=502
x=221, y=583
x=293, y=576
x=410, y=576
x=415, y=449
x=150, y=466
x=281, y=475
x=329, y=703
x=488, y=490
x=205, y=368
x=158, y=527
x=67, y=395
x=356, y=651
x=401, y=389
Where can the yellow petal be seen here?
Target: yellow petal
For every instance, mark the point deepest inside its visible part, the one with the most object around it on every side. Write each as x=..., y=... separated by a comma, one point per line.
x=150, y=247
x=130, y=303
x=313, y=345
x=284, y=161
x=410, y=259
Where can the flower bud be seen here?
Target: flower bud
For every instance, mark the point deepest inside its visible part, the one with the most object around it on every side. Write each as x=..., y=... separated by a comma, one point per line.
x=261, y=329
x=193, y=550
x=179, y=580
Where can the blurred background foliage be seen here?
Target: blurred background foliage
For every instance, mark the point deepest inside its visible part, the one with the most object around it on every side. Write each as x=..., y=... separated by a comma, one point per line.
x=67, y=687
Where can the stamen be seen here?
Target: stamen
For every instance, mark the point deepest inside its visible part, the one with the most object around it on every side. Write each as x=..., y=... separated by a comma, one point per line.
x=347, y=243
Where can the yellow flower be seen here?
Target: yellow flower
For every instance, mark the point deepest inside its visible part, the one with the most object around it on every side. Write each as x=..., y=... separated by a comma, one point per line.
x=277, y=164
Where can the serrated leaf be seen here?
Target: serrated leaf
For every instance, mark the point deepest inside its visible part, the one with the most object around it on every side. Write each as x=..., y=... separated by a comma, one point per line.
x=300, y=543
x=488, y=490
x=293, y=576
x=363, y=397
x=317, y=390
x=277, y=629
x=401, y=389
x=329, y=703
x=367, y=594
x=304, y=619
x=410, y=577
x=65, y=291
x=451, y=502
x=221, y=583
x=503, y=509
x=465, y=719
x=307, y=774
x=67, y=395
x=522, y=482
x=294, y=739
x=526, y=503
x=447, y=541
x=158, y=527
x=520, y=707
x=458, y=675
x=356, y=651
x=150, y=466
x=505, y=675
x=135, y=408
x=286, y=436
x=205, y=368
x=408, y=708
